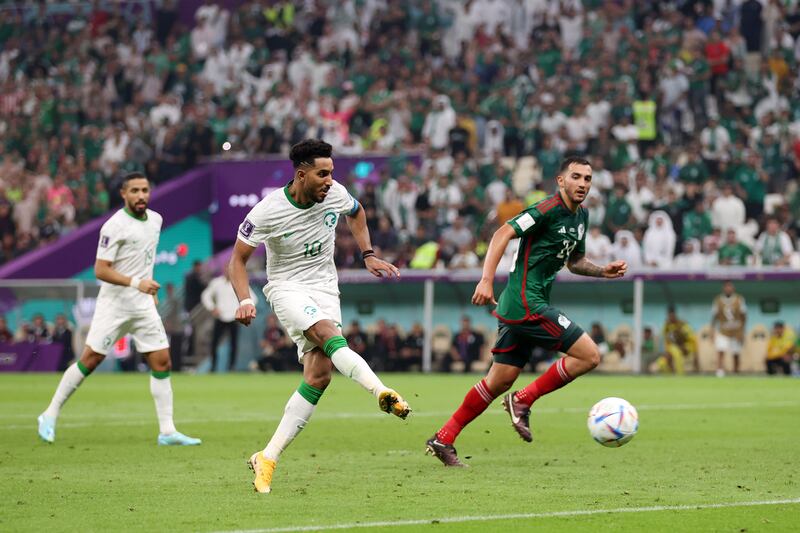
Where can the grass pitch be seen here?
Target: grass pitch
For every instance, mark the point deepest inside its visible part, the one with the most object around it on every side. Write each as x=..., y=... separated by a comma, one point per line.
x=706, y=449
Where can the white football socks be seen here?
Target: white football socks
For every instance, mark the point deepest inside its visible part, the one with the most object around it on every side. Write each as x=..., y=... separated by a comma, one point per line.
x=354, y=367
x=161, y=389
x=70, y=381
x=295, y=417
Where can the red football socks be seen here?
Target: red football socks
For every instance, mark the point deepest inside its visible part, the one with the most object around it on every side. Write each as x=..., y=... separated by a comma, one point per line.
x=475, y=402
x=553, y=379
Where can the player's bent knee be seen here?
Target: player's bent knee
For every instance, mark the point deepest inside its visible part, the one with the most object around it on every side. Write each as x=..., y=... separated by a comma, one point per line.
x=159, y=361
x=594, y=358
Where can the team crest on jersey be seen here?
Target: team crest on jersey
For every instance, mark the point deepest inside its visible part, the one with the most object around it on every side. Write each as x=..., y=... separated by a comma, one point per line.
x=329, y=219
x=580, y=231
x=247, y=228
x=104, y=241
x=564, y=321
x=310, y=311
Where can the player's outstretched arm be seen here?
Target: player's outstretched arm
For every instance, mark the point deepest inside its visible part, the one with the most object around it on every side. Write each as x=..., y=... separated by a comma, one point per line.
x=237, y=269
x=377, y=266
x=105, y=272
x=484, y=292
x=578, y=264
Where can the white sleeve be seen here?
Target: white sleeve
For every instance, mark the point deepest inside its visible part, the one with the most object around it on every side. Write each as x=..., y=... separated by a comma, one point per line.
x=111, y=238
x=255, y=228
x=343, y=202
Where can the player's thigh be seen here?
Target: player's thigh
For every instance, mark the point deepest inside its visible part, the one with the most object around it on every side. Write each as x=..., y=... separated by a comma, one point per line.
x=317, y=368
x=107, y=327
x=148, y=333
x=584, y=349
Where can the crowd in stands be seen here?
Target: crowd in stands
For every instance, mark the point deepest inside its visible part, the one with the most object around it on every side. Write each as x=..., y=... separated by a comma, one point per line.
x=690, y=111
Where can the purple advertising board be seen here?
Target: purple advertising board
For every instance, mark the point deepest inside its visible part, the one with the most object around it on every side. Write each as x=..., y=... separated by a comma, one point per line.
x=239, y=185
x=30, y=357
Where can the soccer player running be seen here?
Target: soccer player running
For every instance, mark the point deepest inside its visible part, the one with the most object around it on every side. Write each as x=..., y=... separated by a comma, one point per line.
x=297, y=224
x=126, y=304
x=551, y=235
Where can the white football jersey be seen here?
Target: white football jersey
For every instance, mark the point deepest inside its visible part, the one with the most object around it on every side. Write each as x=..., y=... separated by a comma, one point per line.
x=130, y=244
x=299, y=238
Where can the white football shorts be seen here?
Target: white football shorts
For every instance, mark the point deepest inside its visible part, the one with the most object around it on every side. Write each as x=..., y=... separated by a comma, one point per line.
x=723, y=343
x=298, y=310
x=109, y=325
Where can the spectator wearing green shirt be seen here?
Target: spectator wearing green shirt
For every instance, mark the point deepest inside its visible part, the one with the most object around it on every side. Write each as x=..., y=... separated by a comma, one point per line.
x=734, y=252
x=696, y=223
x=695, y=170
x=752, y=182
x=619, y=214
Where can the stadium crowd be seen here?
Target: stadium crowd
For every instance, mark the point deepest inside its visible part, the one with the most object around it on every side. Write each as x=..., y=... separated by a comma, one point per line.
x=690, y=111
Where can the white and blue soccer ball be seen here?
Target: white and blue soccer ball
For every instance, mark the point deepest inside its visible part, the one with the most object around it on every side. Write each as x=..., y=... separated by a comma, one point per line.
x=613, y=422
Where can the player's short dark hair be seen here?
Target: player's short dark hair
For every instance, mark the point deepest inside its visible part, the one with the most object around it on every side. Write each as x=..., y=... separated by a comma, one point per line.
x=132, y=176
x=305, y=152
x=570, y=159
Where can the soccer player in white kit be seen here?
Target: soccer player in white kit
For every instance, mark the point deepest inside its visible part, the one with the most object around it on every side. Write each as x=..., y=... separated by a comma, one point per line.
x=126, y=304
x=298, y=226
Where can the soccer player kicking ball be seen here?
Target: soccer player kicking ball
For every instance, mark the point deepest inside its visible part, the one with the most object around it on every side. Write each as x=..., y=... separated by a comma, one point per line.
x=298, y=226
x=551, y=235
x=126, y=304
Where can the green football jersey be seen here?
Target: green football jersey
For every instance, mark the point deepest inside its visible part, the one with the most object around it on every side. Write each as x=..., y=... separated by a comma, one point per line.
x=549, y=234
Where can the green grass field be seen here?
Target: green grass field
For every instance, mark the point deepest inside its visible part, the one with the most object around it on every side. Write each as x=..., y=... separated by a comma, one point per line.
x=707, y=450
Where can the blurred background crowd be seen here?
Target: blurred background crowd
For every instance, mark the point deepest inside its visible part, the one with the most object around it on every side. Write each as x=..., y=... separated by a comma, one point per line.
x=689, y=111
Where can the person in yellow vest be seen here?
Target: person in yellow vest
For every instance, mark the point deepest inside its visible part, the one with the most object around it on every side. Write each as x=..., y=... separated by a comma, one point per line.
x=644, y=116
x=680, y=344
x=728, y=320
x=780, y=349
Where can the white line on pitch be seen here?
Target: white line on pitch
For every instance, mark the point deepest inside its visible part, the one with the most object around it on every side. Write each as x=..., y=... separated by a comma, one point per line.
x=516, y=516
x=113, y=419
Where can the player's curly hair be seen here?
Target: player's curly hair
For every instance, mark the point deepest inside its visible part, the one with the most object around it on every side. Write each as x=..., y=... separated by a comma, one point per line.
x=305, y=152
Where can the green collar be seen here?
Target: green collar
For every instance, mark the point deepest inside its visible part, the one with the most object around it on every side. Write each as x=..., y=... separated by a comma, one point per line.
x=130, y=214
x=292, y=200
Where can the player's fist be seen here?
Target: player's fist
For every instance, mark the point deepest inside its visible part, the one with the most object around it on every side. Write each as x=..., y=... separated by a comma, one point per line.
x=149, y=286
x=615, y=269
x=484, y=293
x=245, y=314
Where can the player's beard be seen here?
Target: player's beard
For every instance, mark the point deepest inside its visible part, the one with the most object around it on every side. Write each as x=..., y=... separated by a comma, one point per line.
x=139, y=208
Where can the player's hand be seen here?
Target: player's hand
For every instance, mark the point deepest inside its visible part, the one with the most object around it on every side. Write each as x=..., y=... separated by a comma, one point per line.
x=245, y=314
x=615, y=269
x=149, y=286
x=380, y=268
x=484, y=293
x=215, y=313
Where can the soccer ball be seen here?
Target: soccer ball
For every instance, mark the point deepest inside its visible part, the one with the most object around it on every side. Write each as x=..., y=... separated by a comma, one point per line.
x=613, y=422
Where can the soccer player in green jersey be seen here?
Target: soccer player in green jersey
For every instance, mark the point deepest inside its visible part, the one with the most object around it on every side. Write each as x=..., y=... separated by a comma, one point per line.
x=551, y=234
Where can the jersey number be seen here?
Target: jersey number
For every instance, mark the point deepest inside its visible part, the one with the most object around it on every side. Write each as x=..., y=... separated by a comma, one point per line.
x=566, y=251
x=312, y=248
